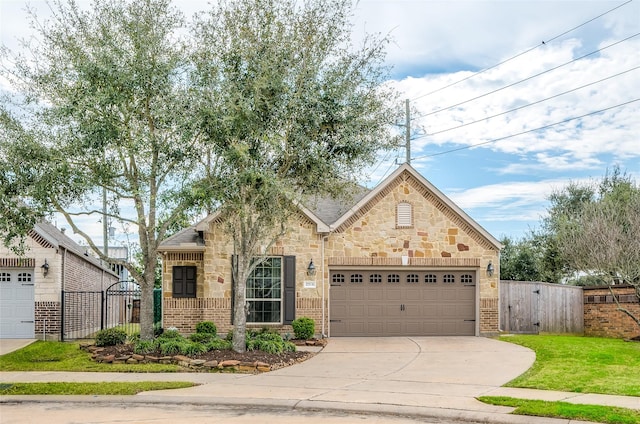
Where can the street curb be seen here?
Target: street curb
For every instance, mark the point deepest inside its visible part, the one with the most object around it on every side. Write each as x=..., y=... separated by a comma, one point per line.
x=452, y=415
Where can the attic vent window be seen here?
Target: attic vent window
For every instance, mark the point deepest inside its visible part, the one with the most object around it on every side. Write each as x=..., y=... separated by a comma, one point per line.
x=404, y=215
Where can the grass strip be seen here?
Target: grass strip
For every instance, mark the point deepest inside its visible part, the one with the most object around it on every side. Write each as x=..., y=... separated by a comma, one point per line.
x=63, y=356
x=90, y=388
x=572, y=411
x=580, y=364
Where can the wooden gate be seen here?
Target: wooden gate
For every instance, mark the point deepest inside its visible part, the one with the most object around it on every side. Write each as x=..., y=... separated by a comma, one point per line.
x=531, y=307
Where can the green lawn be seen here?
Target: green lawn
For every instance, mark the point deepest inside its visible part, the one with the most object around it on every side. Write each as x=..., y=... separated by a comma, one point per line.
x=580, y=364
x=93, y=389
x=59, y=356
x=577, y=364
x=540, y=408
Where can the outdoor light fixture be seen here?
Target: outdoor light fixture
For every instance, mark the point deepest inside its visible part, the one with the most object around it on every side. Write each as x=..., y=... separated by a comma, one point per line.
x=45, y=268
x=490, y=269
x=311, y=269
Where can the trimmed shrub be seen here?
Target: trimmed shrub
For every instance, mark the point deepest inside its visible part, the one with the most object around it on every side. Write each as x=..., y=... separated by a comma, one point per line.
x=201, y=337
x=304, y=328
x=110, y=337
x=206, y=327
x=268, y=341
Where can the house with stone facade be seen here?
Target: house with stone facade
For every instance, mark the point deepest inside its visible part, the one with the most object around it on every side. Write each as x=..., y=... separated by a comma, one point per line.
x=400, y=259
x=32, y=303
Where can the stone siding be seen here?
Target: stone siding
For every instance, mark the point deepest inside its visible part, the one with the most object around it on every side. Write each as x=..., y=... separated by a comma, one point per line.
x=602, y=317
x=438, y=238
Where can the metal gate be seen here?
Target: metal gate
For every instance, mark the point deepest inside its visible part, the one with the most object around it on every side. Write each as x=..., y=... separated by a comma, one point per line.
x=82, y=314
x=86, y=312
x=122, y=306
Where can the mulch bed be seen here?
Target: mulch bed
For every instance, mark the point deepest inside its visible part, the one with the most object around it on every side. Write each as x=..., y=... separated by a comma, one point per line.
x=275, y=360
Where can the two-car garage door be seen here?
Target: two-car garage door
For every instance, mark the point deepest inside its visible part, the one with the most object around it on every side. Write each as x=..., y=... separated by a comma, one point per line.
x=375, y=302
x=16, y=304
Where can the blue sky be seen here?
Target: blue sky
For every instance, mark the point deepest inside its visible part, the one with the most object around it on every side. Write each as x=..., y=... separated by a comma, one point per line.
x=501, y=184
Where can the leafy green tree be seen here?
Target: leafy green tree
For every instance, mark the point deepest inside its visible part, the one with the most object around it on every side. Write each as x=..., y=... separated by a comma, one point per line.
x=291, y=111
x=601, y=237
x=265, y=106
x=520, y=260
x=102, y=106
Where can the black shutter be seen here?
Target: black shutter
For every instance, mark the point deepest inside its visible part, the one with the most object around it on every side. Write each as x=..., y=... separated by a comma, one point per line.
x=289, y=304
x=184, y=281
x=178, y=281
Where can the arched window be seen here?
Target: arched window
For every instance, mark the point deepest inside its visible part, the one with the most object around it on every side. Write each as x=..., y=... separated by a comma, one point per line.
x=430, y=278
x=375, y=278
x=356, y=278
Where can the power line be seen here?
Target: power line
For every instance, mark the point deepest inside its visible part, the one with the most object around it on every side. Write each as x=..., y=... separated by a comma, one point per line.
x=527, y=105
x=528, y=78
x=527, y=131
x=522, y=53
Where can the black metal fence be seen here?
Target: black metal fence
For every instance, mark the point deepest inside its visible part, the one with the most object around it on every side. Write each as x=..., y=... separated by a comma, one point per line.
x=86, y=312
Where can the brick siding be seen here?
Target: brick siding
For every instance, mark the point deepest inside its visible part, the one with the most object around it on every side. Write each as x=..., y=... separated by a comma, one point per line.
x=47, y=321
x=602, y=317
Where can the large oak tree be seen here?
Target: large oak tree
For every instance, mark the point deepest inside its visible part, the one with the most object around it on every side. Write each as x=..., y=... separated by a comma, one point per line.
x=255, y=107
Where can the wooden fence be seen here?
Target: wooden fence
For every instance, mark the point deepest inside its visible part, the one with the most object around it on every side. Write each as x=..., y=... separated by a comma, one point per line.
x=533, y=307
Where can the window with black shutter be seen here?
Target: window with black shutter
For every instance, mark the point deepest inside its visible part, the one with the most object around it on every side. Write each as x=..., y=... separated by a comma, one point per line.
x=184, y=281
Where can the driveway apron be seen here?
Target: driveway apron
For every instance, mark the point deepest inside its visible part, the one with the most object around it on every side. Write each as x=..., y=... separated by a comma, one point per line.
x=436, y=372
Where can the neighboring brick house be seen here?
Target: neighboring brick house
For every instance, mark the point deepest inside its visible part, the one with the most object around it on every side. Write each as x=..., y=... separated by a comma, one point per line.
x=602, y=317
x=31, y=286
x=401, y=259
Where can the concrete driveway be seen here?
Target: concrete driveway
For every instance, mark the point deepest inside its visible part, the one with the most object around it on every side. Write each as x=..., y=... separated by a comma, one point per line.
x=379, y=373
x=9, y=345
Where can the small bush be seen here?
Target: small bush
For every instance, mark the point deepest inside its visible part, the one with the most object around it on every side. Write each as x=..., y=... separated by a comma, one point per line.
x=289, y=347
x=142, y=347
x=201, y=337
x=171, y=346
x=229, y=336
x=268, y=341
x=171, y=334
x=218, y=344
x=192, y=348
x=304, y=328
x=110, y=337
x=206, y=327
x=134, y=338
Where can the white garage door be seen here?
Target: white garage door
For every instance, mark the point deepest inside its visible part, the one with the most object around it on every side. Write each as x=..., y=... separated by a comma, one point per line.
x=370, y=302
x=17, y=304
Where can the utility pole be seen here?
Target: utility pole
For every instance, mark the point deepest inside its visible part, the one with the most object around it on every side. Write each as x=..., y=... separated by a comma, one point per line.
x=407, y=129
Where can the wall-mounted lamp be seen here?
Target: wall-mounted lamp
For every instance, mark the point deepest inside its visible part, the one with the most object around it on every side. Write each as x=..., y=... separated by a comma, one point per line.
x=490, y=269
x=311, y=269
x=45, y=268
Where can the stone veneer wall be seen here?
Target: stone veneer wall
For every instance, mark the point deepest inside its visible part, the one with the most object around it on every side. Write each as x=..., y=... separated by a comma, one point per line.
x=602, y=317
x=437, y=234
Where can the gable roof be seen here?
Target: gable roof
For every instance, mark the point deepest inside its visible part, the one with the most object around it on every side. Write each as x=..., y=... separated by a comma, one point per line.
x=330, y=214
x=367, y=201
x=47, y=232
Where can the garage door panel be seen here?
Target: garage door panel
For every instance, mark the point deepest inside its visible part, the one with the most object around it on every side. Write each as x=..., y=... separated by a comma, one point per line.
x=17, y=304
x=392, y=303
x=374, y=311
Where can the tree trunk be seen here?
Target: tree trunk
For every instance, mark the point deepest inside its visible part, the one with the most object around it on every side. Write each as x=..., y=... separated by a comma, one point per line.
x=239, y=270
x=146, y=301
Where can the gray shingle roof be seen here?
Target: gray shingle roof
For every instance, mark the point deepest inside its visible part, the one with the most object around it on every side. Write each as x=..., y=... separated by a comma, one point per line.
x=50, y=232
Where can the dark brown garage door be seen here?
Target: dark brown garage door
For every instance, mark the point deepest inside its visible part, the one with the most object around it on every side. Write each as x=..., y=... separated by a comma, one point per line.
x=402, y=303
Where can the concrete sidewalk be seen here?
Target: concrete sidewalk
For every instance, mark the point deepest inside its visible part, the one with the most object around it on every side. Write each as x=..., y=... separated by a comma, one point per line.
x=421, y=376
